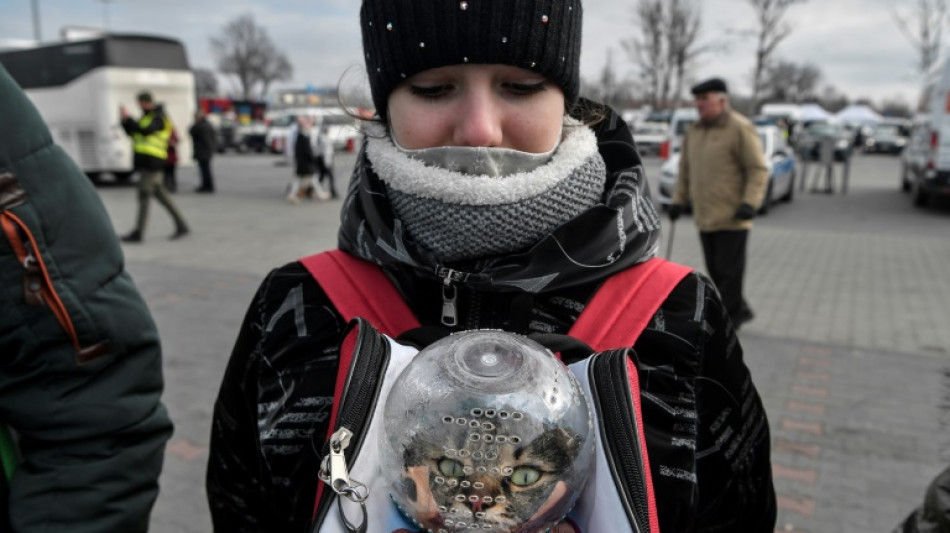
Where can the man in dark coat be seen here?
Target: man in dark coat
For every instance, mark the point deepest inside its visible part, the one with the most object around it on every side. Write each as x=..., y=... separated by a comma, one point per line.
x=203, y=143
x=81, y=366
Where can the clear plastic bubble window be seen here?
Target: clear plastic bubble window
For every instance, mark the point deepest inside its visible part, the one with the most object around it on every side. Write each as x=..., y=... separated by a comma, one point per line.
x=486, y=431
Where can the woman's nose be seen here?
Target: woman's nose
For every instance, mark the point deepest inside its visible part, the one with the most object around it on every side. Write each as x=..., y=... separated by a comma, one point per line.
x=479, y=121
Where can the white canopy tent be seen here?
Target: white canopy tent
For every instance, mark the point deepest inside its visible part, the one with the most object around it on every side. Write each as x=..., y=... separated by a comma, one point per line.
x=858, y=115
x=814, y=113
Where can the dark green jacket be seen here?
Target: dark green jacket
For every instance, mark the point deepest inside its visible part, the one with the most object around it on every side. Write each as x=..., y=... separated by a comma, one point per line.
x=85, y=404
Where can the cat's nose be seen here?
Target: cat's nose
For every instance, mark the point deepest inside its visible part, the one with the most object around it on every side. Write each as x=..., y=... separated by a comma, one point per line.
x=476, y=505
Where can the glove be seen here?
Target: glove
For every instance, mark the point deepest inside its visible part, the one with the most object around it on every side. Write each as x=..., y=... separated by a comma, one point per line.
x=674, y=211
x=745, y=212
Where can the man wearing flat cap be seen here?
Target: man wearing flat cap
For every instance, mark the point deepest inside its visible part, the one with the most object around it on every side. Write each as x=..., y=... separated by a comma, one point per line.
x=723, y=174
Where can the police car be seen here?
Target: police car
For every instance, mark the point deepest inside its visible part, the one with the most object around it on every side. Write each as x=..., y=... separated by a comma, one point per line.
x=779, y=156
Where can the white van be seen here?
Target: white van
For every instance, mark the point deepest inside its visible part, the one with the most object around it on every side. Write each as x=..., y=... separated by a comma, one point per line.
x=925, y=161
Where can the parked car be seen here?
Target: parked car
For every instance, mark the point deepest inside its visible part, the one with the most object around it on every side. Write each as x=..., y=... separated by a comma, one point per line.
x=341, y=127
x=649, y=136
x=780, y=158
x=886, y=138
x=919, y=163
x=811, y=138
x=680, y=119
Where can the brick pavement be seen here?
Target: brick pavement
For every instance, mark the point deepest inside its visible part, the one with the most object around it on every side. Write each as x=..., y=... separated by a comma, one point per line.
x=848, y=348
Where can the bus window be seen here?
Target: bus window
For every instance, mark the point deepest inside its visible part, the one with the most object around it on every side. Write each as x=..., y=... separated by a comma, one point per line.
x=146, y=53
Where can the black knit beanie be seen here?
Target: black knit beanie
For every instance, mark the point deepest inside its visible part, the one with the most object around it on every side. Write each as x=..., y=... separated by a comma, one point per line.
x=404, y=37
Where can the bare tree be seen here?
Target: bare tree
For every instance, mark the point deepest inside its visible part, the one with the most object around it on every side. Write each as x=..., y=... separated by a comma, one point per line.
x=770, y=32
x=896, y=106
x=245, y=50
x=206, y=83
x=786, y=81
x=832, y=100
x=925, y=31
x=648, y=51
x=666, y=46
x=274, y=66
x=684, y=21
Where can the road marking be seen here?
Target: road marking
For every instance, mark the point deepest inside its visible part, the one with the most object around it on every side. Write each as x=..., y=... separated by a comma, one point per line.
x=810, y=391
x=815, y=408
x=802, y=506
x=818, y=376
x=807, y=427
x=808, y=450
x=807, y=476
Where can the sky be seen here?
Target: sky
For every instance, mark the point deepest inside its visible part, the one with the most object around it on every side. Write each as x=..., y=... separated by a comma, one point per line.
x=855, y=43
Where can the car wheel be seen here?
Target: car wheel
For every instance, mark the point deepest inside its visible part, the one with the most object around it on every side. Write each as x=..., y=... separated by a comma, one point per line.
x=905, y=183
x=921, y=198
x=791, y=188
x=767, y=201
x=94, y=177
x=122, y=177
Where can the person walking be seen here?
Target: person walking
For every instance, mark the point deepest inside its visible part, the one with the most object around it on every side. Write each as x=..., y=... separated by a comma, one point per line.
x=150, y=135
x=492, y=196
x=304, y=182
x=723, y=175
x=203, y=144
x=325, y=152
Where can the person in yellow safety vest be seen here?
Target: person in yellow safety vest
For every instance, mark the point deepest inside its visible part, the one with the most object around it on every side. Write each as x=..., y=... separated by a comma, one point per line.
x=150, y=135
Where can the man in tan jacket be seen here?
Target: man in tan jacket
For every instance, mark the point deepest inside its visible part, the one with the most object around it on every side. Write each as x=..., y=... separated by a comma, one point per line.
x=723, y=174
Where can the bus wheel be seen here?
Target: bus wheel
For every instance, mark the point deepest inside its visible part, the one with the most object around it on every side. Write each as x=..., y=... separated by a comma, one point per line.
x=122, y=177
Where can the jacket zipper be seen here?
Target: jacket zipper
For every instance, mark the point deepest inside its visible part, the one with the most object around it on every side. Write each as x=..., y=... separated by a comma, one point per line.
x=449, y=295
x=610, y=388
x=38, y=289
x=360, y=394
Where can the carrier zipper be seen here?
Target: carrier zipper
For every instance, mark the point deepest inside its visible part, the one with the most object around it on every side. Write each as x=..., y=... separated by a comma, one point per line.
x=610, y=388
x=335, y=473
x=38, y=289
x=449, y=295
x=360, y=393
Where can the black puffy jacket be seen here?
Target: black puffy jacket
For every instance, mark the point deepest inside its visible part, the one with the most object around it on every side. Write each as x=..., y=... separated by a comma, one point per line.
x=707, y=433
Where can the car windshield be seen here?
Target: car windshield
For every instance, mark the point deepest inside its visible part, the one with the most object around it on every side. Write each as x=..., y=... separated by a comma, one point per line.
x=282, y=122
x=826, y=130
x=887, y=130
x=650, y=129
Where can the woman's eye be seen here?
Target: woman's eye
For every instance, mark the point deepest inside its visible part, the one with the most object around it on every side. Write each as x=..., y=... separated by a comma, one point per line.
x=524, y=476
x=450, y=468
x=433, y=91
x=525, y=89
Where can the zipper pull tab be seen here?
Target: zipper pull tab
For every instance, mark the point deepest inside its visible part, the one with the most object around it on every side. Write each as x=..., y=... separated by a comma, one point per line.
x=339, y=475
x=334, y=472
x=449, y=294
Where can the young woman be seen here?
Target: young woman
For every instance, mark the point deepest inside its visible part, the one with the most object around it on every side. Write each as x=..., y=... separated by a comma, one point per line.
x=492, y=197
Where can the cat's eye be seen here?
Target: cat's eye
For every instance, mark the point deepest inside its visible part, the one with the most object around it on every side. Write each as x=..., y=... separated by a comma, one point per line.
x=451, y=468
x=524, y=476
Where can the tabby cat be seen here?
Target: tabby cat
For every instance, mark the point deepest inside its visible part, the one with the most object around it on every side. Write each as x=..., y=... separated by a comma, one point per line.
x=477, y=473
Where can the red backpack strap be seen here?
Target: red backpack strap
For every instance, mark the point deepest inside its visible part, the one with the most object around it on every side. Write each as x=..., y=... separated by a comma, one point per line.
x=625, y=303
x=358, y=288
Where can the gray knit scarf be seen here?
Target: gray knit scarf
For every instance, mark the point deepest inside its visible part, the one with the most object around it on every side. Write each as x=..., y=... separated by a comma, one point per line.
x=462, y=216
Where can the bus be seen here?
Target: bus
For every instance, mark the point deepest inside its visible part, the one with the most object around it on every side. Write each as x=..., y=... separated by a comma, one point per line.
x=78, y=86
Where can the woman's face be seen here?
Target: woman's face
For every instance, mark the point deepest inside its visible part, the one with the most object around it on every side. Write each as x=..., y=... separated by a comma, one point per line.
x=496, y=106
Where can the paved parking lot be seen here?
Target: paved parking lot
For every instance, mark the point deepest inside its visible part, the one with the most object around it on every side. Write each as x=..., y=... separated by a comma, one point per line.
x=850, y=346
